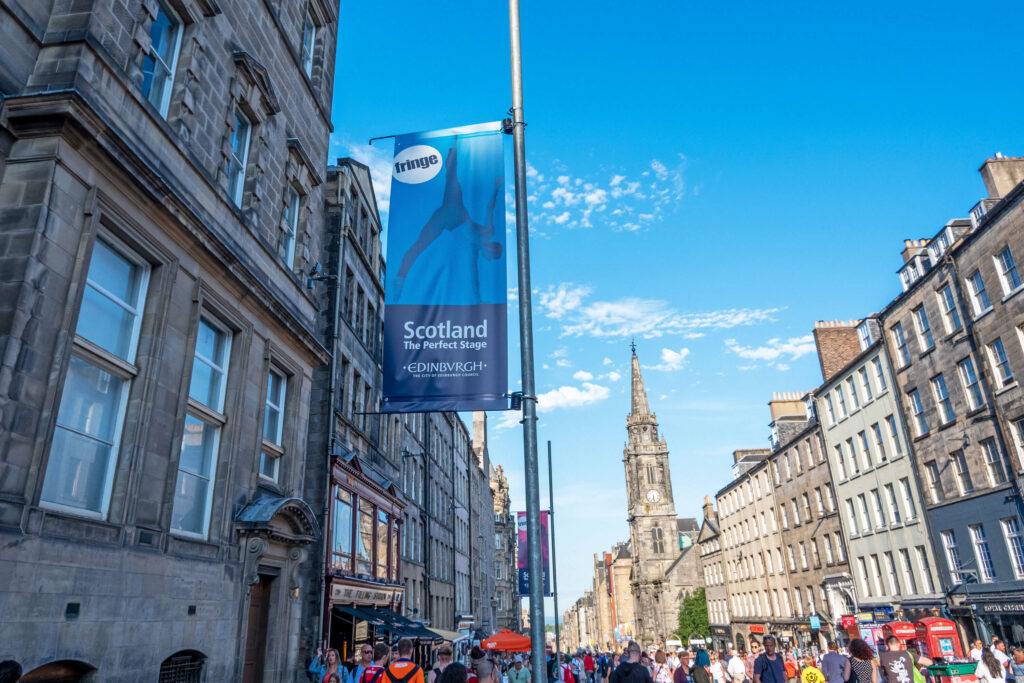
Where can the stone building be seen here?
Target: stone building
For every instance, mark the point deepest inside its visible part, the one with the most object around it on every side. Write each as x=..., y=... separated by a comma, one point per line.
x=664, y=570
x=892, y=565
x=506, y=589
x=805, y=505
x=161, y=170
x=716, y=589
x=953, y=337
x=752, y=550
x=350, y=471
x=482, y=553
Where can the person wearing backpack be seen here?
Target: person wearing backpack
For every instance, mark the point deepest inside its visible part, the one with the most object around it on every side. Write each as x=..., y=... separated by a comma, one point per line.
x=403, y=669
x=374, y=672
x=769, y=667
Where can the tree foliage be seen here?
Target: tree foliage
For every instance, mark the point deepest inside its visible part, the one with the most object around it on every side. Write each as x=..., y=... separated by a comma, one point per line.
x=693, y=616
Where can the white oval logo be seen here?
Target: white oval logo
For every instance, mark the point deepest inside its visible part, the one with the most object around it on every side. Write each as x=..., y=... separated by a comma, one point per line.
x=417, y=164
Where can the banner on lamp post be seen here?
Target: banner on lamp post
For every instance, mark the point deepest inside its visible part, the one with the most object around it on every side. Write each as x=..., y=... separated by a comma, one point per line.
x=523, y=558
x=445, y=325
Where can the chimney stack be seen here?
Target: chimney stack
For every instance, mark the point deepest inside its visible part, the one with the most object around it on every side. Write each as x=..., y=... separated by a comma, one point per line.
x=837, y=344
x=709, y=510
x=1001, y=174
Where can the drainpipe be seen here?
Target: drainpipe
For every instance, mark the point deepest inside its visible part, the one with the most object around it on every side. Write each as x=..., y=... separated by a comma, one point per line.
x=332, y=390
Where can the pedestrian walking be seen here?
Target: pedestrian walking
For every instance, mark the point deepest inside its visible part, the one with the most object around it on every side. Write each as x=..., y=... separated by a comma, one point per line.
x=454, y=673
x=769, y=667
x=518, y=673
x=403, y=669
x=977, y=647
x=896, y=663
x=999, y=652
x=833, y=664
x=365, y=660
x=326, y=663
x=1017, y=665
x=861, y=668
x=755, y=652
x=701, y=670
x=374, y=672
x=588, y=666
x=989, y=670
x=717, y=669
x=736, y=668
x=632, y=670
x=662, y=672
x=444, y=658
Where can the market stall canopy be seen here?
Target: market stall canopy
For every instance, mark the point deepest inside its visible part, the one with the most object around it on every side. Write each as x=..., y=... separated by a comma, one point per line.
x=506, y=641
x=451, y=636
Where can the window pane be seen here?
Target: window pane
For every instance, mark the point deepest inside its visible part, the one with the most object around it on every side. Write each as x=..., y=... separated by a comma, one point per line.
x=105, y=323
x=268, y=465
x=77, y=471
x=364, y=537
x=118, y=276
x=91, y=401
x=190, y=495
x=382, y=545
x=198, y=447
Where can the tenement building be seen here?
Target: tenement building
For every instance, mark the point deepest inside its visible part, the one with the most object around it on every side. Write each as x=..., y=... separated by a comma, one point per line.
x=716, y=590
x=481, y=553
x=351, y=472
x=879, y=499
x=812, y=543
x=752, y=551
x=506, y=589
x=161, y=169
x=954, y=338
x=665, y=567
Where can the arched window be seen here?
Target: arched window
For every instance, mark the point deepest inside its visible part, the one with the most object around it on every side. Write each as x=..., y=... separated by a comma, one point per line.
x=659, y=540
x=185, y=666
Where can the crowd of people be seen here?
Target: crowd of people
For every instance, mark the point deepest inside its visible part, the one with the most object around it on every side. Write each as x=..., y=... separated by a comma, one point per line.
x=765, y=662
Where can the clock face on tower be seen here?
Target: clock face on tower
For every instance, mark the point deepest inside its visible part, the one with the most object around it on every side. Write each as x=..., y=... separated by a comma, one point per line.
x=653, y=496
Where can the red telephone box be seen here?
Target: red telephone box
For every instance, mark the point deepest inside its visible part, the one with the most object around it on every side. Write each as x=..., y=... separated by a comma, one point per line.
x=903, y=630
x=938, y=638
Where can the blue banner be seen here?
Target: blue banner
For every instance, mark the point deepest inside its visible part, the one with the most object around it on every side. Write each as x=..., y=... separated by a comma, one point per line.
x=445, y=325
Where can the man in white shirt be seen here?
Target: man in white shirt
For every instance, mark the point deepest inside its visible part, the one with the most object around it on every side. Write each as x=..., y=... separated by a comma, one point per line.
x=736, y=670
x=976, y=647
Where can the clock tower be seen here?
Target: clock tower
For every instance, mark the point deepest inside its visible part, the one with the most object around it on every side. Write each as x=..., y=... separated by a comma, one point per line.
x=653, y=528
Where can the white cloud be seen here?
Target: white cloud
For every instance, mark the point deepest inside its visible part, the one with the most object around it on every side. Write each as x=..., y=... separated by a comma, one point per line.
x=558, y=300
x=563, y=363
x=582, y=376
x=773, y=349
x=562, y=397
x=671, y=360
x=560, y=353
x=782, y=366
x=561, y=218
x=633, y=316
x=613, y=376
x=616, y=179
x=607, y=361
x=563, y=180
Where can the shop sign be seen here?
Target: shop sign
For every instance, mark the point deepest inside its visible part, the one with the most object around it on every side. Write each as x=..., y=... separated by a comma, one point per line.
x=865, y=617
x=719, y=631
x=848, y=621
x=757, y=628
x=815, y=623
x=1001, y=607
x=363, y=595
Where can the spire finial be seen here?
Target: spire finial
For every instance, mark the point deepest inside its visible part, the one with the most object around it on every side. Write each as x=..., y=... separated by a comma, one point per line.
x=639, y=398
x=632, y=346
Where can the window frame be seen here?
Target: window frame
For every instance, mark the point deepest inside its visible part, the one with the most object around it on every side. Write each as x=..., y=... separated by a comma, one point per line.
x=899, y=337
x=237, y=193
x=917, y=411
x=972, y=389
x=309, y=28
x=950, y=314
x=1003, y=270
x=924, y=328
x=980, y=302
x=123, y=368
x=940, y=392
x=163, y=107
x=269, y=450
x=1000, y=363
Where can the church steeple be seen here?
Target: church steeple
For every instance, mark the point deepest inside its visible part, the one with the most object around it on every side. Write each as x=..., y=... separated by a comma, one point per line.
x=640, y=408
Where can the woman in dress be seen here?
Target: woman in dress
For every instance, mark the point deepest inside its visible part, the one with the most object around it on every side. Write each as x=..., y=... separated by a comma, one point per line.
x=717, y=670
x=862, y=666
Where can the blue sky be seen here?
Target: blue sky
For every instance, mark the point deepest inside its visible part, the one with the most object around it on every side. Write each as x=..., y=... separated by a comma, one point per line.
x=709, y=178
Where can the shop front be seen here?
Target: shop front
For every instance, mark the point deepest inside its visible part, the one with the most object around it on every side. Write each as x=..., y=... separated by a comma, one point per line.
x=363, y=593
x=1001, y=618
x=720, y=637
x=871, y=625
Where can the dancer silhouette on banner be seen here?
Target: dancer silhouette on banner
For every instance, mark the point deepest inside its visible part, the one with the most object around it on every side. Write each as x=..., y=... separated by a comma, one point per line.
x=450, y=215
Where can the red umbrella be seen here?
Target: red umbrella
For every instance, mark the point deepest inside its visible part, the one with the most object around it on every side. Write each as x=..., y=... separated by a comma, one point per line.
x=506, y=641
